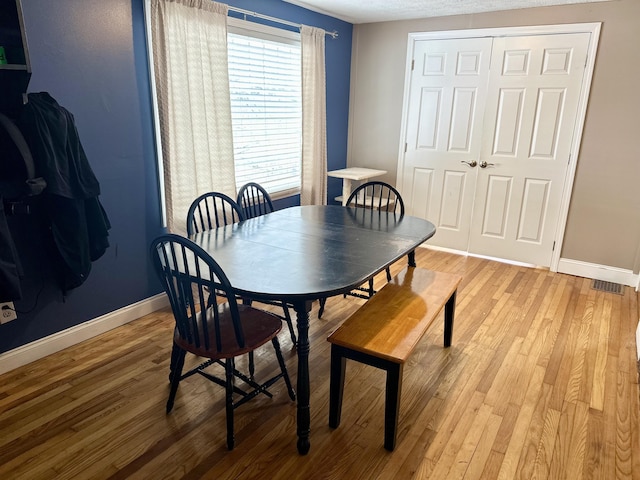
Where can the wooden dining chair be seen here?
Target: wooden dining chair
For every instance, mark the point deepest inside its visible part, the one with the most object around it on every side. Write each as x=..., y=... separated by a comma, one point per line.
x=212, y=210
x=380, y=196
x=376, y=196
x=206, y=328
x=254, y=201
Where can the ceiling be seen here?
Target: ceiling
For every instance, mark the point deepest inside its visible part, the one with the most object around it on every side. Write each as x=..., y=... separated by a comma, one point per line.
x=370, y=11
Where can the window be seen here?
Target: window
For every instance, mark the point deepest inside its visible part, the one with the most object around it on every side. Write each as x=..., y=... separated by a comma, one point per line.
x=266, y=106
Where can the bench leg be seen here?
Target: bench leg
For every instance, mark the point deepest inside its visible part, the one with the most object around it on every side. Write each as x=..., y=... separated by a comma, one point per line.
x=336, y=386
x=449, y=313
x=392, y=404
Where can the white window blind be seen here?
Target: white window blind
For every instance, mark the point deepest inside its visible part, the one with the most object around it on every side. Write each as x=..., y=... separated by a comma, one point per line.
x=266, y=109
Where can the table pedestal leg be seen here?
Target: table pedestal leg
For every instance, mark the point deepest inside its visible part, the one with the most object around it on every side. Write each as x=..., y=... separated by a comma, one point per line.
x=303, y=389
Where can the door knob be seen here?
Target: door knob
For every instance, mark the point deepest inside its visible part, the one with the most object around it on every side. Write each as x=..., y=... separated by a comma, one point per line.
x=484, y=164
x=472, y=163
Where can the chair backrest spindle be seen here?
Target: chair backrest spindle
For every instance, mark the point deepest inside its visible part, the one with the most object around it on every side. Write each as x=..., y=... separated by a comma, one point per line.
x=212, y=210
x=377, y=196
x=191, y=278
x=254, y=200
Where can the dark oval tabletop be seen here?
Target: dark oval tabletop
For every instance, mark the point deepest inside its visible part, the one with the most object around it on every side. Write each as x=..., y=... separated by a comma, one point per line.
x=311, y=252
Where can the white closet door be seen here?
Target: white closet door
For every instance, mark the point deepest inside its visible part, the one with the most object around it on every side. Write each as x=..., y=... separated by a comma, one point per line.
x=443, y=131
x=532, y=106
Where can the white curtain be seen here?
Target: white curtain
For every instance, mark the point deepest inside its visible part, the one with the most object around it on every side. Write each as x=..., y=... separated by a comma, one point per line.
x=314, y=118
x=189, y=39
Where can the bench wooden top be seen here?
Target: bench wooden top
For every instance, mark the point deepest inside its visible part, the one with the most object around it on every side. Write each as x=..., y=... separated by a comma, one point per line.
x=391, y=323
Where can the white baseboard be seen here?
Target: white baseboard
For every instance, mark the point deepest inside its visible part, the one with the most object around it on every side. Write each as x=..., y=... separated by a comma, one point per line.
x=74, y=335
x=467, y=254
x=598, y=272
x=570, y=267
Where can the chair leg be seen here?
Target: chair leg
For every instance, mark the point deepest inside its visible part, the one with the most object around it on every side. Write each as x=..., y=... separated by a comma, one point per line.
x=411, y=258
x=287, y=317
x=252, y=366
x=283, y=368
x=322, y=303
x=388, y=274
x=177, y=355
x=371, y=291
x=229, y=367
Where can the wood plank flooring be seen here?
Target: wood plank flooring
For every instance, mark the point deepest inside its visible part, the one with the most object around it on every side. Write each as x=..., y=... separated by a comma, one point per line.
x=541, y=383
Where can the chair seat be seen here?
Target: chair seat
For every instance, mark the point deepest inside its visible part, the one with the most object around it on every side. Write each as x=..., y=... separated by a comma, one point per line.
x=258, y=327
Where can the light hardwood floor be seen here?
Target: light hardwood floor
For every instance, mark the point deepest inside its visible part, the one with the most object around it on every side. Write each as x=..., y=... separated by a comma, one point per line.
x=541, y=383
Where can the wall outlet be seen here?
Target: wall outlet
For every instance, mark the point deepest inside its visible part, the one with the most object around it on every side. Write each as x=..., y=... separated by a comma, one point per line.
x=7, y=312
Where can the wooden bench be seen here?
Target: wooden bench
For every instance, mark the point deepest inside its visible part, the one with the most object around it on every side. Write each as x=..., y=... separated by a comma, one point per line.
x=384, y=332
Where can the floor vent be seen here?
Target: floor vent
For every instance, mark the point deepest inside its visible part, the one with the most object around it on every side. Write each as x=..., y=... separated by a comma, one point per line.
x=607, y=287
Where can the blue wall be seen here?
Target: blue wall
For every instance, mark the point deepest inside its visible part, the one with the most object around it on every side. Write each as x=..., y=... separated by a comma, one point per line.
x=90, y=55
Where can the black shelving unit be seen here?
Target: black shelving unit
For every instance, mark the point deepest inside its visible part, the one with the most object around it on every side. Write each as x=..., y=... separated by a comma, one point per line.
x=16, y=73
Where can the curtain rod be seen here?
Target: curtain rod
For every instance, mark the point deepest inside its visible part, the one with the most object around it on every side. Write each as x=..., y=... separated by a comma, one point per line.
x=333, y=34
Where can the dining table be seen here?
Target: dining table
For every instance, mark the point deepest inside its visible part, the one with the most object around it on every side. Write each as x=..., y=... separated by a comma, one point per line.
x=306, y=253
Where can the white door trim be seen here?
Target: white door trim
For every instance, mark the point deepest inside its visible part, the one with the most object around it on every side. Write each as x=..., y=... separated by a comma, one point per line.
x=591, y=28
